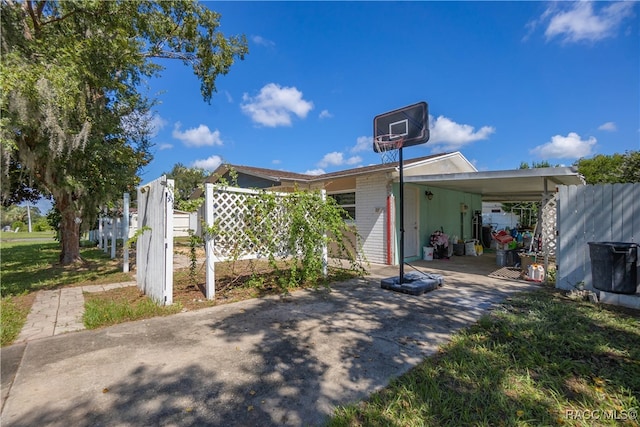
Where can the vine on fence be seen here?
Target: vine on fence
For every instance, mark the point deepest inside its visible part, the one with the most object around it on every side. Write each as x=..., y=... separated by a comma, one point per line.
x=290, y=231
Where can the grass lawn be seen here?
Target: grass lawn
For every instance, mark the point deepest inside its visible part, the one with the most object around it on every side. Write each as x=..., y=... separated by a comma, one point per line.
x=30, y=264
x=540, y=359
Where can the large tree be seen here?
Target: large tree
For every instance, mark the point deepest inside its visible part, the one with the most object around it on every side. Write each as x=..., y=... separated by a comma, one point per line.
x=186, y=181
x=611, y=169
x=74, y=119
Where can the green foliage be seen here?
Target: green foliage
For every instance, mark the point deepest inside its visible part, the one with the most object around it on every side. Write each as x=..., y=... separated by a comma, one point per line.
x=18, y=225
x=290, y=230
x=41, y=225
x=139, y=232
x=611, y=169
x=100, y=312
x=29, y=266
x=194, y=242
x=527, y=363
x=73, y=118
x=186, y=181
x=14, y=213
x=12, y=318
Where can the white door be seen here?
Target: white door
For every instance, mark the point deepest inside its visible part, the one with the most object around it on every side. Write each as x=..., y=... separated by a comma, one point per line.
x=410, y=222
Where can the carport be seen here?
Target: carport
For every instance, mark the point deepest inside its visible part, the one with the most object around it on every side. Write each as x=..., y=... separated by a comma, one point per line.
x=518, y=185
x=508, y=186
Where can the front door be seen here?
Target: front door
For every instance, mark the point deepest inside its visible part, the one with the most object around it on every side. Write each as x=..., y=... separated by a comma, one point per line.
x=410, y=222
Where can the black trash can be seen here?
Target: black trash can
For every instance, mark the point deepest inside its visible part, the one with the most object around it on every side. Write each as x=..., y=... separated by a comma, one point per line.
x=614, y=267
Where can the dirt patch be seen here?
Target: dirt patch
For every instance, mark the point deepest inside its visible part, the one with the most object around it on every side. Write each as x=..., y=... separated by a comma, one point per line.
x=235, y=281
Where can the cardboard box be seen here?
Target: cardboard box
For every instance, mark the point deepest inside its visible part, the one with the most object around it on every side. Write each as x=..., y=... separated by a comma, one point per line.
x=526, y=260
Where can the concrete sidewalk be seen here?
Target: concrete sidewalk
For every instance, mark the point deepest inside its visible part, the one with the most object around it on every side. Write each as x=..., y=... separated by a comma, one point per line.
x=59, y=311
x=267, y=361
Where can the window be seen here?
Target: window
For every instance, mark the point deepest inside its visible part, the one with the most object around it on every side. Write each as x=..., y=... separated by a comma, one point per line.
x=347, y=201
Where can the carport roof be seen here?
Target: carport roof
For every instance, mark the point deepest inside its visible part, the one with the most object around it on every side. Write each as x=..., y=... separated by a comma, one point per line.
x=518, y=185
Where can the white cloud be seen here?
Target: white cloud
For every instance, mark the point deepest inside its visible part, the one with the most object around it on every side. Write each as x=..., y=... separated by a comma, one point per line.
x=337, y=158
x=363, y=143
x=577, y=21
x=325, y=114
x=156, y=123
x=354, y=160
x=162, y=147
x=609, y=126
x=449, y=135
x=565, y=147
x=262, y=41
x=334, y=158
x=315, y=172
x=276, y=161
x=210, y=163
x=197, y=137
x=275, y=105
x=229, y=97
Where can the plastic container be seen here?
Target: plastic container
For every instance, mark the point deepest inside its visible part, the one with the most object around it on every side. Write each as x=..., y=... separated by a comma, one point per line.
x=427, y=253
x=536, y=272
x=470, y=248
x=614, y=267
x=458, y=248
x=501, y=258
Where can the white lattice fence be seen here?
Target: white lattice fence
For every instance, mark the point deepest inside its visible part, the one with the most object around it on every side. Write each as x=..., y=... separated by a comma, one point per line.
x=246, y=224
x=549, y=226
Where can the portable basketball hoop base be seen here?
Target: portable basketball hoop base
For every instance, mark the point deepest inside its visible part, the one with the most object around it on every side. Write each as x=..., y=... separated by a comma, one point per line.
x=413, y=283
x=392, y=131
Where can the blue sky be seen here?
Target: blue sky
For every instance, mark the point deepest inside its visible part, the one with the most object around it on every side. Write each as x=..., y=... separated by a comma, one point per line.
x=506, y=82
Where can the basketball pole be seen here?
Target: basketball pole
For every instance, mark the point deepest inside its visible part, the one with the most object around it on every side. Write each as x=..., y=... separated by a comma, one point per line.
x=401, y=260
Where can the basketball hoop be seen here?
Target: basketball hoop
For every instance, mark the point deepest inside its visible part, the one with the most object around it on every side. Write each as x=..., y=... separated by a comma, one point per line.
x=387, y=146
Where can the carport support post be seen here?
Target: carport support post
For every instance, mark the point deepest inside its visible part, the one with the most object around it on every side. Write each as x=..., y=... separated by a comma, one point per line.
x=210, y=276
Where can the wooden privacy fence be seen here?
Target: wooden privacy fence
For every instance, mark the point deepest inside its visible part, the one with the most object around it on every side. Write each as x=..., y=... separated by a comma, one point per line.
x=239, y=230
x=592, y=213
x=154, y=245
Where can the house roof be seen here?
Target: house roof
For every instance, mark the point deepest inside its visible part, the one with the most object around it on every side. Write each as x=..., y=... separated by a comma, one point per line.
x=494, y=186
x=279, y=175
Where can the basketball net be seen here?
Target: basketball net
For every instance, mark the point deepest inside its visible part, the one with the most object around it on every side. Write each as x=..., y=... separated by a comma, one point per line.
x=388, y=147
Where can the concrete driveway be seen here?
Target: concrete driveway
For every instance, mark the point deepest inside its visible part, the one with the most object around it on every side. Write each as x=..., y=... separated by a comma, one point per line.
x=261, y=362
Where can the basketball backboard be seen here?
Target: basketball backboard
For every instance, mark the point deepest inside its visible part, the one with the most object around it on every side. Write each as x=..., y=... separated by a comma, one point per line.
x=409, y=124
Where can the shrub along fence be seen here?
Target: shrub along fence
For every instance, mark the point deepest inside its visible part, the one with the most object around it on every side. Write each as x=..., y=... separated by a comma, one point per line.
x=293, y=228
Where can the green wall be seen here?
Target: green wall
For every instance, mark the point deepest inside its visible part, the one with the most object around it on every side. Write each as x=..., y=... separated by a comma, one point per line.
x=442, y=211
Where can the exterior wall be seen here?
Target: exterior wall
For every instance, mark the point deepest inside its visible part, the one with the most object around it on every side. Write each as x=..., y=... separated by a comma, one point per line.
x=443, y=212
x=371, y=201
x=498, y=220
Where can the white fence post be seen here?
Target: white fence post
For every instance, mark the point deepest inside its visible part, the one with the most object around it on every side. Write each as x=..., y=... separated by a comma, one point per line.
x=114, y=235
x=105, y=234
x=125, y=233
x=154, y=247
x=100, y=231
x=210, y=284
x=168, y=239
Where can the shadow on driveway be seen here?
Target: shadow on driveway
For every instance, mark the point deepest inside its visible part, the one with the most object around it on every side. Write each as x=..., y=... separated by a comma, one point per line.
x=265, y=362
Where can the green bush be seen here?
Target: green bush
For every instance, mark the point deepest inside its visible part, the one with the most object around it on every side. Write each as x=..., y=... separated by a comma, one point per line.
x=41, y=225
x=19, y=224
